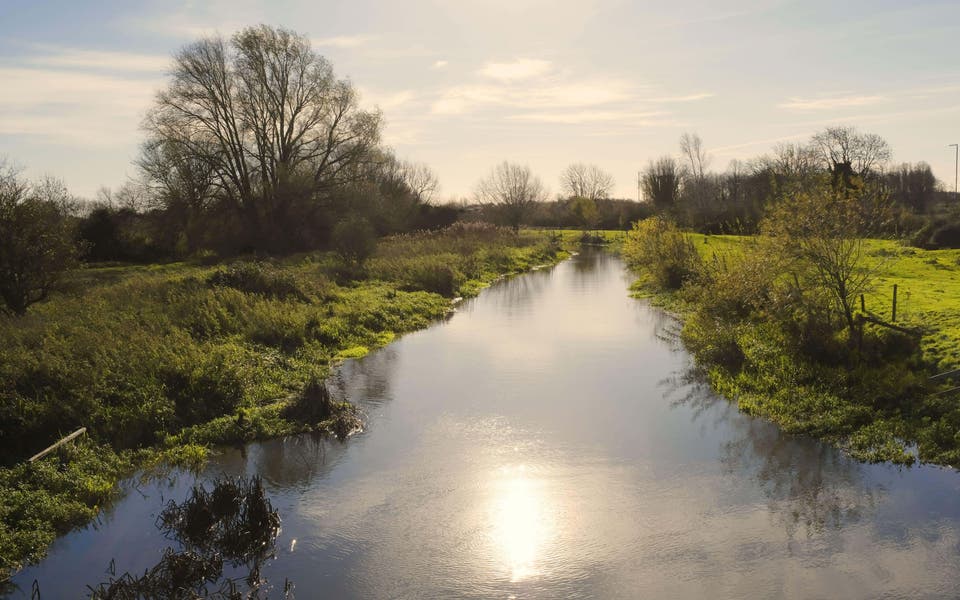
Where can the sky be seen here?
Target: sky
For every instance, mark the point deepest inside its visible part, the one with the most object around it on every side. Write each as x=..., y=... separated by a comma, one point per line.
x=464, y=85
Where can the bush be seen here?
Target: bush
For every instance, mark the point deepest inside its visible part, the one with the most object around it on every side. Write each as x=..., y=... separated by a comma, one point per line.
x=946, y=236
x=354, y=240
x=36, y=240
x=258, y=278
x=434, y=275
x=312, y=405
x=656, y=246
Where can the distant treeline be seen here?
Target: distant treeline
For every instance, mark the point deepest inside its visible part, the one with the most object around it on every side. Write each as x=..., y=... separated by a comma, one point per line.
x=736, y=200
x=255, y=147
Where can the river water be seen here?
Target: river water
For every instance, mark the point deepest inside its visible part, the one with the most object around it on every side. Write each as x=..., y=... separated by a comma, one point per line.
x=552, y=440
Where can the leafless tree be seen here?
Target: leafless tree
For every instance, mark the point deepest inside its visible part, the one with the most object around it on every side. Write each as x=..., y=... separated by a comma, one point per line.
x=794, y=161
x=268, y=116
x=691, y=148
x=421, y=180
x=660, y=182
x=586, y=181
x=514, y=188
x=845, y=149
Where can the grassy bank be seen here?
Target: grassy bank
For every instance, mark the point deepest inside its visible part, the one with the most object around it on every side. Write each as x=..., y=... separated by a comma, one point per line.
x=928, y=294
x=876, y=401
x=161, y=361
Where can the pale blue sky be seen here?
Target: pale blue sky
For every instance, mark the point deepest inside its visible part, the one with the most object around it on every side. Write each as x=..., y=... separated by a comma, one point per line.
x=464, y=85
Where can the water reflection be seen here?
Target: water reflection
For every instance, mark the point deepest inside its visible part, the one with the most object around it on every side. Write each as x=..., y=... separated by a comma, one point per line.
x=521, y=520
x=809, y=486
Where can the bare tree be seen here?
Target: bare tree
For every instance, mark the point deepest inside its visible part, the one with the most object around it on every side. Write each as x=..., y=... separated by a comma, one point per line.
x=846, y=150
x=794, y=161
x=421, y=180
x=267, y=115
x=586, y=181
x=181, y=183
x=514, y=188
x=691, y=148
x=661, y=182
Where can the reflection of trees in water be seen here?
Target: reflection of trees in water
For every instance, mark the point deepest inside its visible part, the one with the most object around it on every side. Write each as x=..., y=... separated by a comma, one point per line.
x=365, y=381
x=516, y=295
x=286, y=463
x=809, y=485
x=592, y=266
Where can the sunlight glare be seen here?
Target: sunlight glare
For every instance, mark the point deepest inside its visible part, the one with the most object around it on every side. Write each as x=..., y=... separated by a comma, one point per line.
x=520, y=521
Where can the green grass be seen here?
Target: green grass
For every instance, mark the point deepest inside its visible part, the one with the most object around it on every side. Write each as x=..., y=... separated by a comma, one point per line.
x=879, y=407
x=928, y=289
x=154, y=358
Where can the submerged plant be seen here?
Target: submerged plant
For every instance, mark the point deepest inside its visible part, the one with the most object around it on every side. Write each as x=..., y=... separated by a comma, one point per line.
x=234, y=523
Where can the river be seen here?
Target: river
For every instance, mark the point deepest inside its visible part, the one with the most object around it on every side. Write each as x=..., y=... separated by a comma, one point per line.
x=551, y=440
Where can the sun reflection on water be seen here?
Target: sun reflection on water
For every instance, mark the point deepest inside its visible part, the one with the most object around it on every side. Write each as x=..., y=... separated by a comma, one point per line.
x=521, y=522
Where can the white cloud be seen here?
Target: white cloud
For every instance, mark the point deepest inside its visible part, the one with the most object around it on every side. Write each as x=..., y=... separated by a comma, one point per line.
x=440, y=64
x=101, y=60
x=592, y=116
x=831, y=103
x=517, y=70
x=544, y=95
x=343, y=41
x=387, y=100
x=676, y=99
x=73, y=107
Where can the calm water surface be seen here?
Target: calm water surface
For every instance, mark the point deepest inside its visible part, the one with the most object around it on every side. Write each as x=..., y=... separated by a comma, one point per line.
x=550, y=440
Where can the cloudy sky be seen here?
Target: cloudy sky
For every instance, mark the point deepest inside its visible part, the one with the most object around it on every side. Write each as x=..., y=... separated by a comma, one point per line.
x=465, y=84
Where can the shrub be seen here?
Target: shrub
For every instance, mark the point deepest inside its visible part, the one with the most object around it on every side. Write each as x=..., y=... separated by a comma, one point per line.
x=656, y=246
x=354, y=240
x=36, y=240
x=312, y=405
x=258, y=278
x=434, y=275
x=946, y=236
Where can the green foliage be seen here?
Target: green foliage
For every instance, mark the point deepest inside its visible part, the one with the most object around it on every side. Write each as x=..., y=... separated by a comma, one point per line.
x=258, y=278
x=36, y=240
x=354, y=240
x=53, y=495
x=657, y=247
x=584, y=212
x=780, y=355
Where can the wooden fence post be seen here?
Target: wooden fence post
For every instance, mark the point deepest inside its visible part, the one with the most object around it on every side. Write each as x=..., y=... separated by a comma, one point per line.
x=893, y=315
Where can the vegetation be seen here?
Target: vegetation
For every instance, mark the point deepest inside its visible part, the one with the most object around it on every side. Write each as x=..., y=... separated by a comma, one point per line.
x=782, y=349
x=35, y=239
x=659, y=249
x=234, y=523
x=207, y=355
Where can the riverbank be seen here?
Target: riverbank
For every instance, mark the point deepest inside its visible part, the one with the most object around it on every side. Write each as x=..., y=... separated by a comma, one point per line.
x=876, y=403
x=159, y=362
